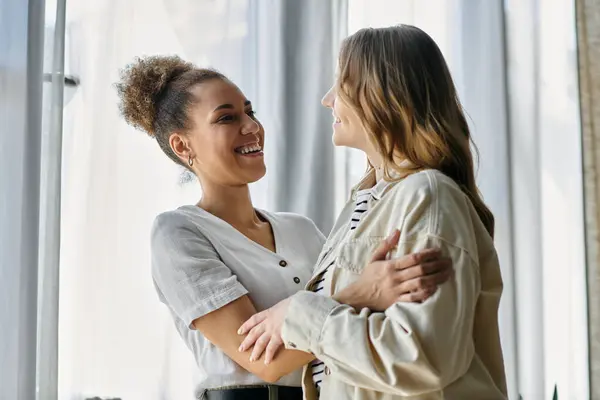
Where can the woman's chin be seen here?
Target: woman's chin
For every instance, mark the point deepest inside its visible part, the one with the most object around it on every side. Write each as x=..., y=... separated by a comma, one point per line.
x=256, y=174
x=338, y=140
x=343, y=141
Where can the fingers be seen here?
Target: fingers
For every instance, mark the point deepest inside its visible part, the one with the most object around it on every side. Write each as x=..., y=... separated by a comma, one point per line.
x=438, y=265
x=418, y=296
x=272, y=348
x=426, y=268
x=386, y=246
x=411, y=260
x=252, y=337
x=259, y=346
x=252, y=322
x=427, y=282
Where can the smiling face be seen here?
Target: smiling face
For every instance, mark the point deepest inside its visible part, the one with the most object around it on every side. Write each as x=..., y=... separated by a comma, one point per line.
x=225, y=139
x=348, y=130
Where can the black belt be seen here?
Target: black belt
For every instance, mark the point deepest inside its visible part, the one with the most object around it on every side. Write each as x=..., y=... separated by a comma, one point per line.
x=255, y=393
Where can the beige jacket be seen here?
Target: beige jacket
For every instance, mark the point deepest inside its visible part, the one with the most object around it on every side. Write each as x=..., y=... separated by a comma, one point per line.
x=445, y=348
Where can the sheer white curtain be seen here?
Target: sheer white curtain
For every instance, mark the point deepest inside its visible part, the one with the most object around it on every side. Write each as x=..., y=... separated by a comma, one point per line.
x=115, y=339
x=546, y=158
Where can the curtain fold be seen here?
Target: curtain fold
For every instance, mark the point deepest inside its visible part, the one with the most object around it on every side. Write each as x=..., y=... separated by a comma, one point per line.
x=522, y=64
x=20, y=142
x=50, y=207
x=297, y=48
x=478, y=62
x=546, y=199
x=588, y=33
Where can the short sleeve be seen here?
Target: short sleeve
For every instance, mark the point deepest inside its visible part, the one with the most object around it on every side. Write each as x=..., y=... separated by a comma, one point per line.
x=188, y=273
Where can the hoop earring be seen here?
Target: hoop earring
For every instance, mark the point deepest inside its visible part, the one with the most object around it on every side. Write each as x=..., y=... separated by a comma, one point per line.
x=190, y=160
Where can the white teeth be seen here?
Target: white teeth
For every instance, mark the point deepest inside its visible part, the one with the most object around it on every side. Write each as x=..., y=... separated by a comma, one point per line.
x=250, y=149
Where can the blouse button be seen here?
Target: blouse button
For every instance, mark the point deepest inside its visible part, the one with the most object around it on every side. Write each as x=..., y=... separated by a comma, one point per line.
x=283, y=263
x=327, y=371
x=296, y=279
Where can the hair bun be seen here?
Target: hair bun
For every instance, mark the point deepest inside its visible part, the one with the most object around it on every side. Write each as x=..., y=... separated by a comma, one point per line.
x=141, y=85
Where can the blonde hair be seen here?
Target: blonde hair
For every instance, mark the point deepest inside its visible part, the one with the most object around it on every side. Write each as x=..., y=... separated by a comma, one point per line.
x=398, y=83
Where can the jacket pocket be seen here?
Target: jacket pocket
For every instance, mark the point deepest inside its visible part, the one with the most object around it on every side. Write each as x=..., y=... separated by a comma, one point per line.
x=355, y=254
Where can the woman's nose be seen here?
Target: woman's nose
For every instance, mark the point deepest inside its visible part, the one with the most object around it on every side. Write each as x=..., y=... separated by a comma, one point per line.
x=251, y=126
x=329, y=98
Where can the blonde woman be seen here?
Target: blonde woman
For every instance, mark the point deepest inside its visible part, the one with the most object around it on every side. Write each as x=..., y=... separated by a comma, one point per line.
x=395, y=100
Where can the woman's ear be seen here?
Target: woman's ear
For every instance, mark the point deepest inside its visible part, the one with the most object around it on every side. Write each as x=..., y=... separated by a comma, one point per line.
x=180, y=145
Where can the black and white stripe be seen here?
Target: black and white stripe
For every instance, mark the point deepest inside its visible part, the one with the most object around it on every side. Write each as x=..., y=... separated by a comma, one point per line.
x=318, y=368
x=360, y=208
x=319, y=284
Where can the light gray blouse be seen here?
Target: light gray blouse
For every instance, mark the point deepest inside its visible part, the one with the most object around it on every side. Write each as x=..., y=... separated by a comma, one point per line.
x=201, y=263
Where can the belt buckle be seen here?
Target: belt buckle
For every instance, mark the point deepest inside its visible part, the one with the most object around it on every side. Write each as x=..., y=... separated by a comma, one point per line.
x=273, y=392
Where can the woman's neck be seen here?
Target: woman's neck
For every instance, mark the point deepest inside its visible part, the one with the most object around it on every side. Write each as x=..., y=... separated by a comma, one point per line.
x=232, y=204
x=376, y=164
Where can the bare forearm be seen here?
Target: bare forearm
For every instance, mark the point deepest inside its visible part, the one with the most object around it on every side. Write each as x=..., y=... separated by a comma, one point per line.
x=220, y=327
x=286, y=362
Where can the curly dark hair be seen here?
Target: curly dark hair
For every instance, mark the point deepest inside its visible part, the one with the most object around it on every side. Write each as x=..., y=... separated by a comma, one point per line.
x=155, y=95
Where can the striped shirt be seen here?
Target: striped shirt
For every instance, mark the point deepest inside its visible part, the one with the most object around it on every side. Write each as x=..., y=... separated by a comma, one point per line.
x=362, y=204
x=360, y=208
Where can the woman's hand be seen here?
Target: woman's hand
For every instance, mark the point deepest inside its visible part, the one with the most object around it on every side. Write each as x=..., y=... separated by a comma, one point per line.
x=264, y=332
x=412, y=278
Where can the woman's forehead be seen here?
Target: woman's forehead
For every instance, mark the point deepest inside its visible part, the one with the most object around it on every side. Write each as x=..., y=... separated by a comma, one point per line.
x=217, y=92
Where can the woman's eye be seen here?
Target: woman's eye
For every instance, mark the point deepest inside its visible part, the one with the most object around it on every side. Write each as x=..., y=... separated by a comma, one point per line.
x=226, y=118
x=251, y=114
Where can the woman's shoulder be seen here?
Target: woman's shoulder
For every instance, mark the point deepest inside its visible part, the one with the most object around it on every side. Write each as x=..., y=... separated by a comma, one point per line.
x=173, y=219
x=426, y=186
x=183, y=222
x=430, y=202
x=426, y=195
